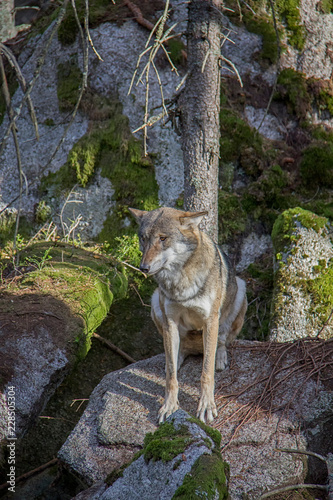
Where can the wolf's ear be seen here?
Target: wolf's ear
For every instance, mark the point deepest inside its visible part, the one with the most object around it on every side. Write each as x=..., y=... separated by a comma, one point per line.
x=191, y=219
x=138, y=214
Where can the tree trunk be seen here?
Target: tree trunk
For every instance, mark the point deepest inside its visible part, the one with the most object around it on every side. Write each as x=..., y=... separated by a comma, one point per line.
x=200, y=112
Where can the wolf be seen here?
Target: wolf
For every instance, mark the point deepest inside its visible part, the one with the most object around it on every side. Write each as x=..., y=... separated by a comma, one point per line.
x=199, y=305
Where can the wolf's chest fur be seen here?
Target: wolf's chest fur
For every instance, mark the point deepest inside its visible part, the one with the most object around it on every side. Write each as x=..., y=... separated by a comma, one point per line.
x=190, y=298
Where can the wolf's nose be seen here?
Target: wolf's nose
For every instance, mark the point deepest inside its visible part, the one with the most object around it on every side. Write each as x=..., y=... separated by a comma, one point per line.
x=144, y=268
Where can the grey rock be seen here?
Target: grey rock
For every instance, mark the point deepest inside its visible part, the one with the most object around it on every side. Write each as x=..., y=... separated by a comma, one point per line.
x=316, y=59
x=253, y=246
x=37, y=154
x=135, y=394
x=95, y=492
x=88, y=206
x=112, y=75
x=304, y=258
x=240, y=50
x=37, y=370
x=269, y=126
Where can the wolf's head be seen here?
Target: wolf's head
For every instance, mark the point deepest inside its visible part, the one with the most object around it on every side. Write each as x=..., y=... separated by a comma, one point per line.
x=167, y=237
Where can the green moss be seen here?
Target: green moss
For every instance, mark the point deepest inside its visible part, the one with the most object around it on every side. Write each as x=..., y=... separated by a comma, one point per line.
x=260, y=280
x=166, y=442
x=42, y=212
x=300, y=94
x=283, y=229
x=321, y=289
x=232, y=217
x=264, y=26
x=7, y=224
x=227, y=176
x=316, y=165
x=326, y=6
x=320, y=133
x=86, y=282
x=207, y=479
x=110, y=148
x=236, y=136
x=68, y=30
x=322, y=207
x=325, y=100
x=69, y=78
x=267, y=196
x=176, y=49
x=288, y=11
x=49, y=122
x=214, y=434
x=293, y=89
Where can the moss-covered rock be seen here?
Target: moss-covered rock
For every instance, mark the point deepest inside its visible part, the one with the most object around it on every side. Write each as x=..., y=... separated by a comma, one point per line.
x=110, y=149
x=85, y=281
x=98, y=11
x=166, y=442
x=316, y=165
x=303, y=294
x=257, y=17
x=293, y=89
x=288, y=11
x=207, y=479
x=181, y=459
x=69, y=78
x=263, y=26
x=53, y=301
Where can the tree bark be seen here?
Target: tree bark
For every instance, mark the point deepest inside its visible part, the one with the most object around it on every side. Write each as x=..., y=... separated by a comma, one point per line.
x=200, y=112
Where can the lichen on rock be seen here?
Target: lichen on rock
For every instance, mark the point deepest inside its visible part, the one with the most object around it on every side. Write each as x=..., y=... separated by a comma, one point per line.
x=303, y=298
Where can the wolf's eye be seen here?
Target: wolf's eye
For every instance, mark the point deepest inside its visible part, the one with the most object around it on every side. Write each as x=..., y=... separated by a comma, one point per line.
x=163, y=238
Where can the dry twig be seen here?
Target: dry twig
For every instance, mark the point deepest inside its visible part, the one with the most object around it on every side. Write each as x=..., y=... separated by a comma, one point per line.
x=114, y=348
x=36, y=74
x=306, y=358
x=31, y=473
x=161, y=38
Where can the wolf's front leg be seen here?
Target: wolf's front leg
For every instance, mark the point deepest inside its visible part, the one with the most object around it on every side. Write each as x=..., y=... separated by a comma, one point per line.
x=207, y=406
x=171, y=347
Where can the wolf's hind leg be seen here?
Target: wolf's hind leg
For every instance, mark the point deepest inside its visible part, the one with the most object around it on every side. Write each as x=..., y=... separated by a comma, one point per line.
x=190, y=343
x=221, y=359
x=228, y=333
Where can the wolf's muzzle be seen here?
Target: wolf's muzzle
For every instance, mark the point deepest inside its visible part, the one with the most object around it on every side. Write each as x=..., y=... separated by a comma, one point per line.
x=145, y=268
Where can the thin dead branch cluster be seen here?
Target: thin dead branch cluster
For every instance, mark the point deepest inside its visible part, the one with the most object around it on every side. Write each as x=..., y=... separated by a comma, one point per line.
x=151, y=49
x=13, y=114
x=305, y=359
x=163, y=34
x=279, y=385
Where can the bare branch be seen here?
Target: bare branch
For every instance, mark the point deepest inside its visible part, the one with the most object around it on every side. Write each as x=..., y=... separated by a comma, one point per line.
x=36, y=74
x=14, y=64
x=293, y=487
x=302, y=452
x=114, y=348
x=10, y=112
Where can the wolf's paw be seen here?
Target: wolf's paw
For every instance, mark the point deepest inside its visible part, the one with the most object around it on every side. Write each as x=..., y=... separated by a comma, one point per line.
x=167, y=409
x=221, y=361
x=206, y=408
